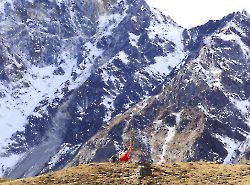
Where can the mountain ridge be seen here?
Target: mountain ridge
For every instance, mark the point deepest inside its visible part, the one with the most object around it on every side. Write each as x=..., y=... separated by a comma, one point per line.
x=74, y=71
x=179, y=94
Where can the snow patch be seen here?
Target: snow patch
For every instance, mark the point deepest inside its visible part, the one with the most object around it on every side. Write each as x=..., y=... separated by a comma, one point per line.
x=242, y=105
x=108, y=22
x=124, y=57
x=170, y=137
x=108, y=102
x=177, y=117
x=164, y=64
x=168, y=29
x=231, y=146
x=117, y=145
x=3, y=2
x=161, y=66
x=8, y=162
x=212, y=76
x=206, y=112
x=215, y=74
x=93, y=51
x=133, y=39
x=63, y=151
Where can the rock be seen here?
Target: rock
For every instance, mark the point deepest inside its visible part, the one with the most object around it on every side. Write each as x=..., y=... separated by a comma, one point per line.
x=113, y=159
x=143, y=171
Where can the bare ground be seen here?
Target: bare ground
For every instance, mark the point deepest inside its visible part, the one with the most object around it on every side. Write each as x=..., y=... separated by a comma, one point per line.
x=169, y=173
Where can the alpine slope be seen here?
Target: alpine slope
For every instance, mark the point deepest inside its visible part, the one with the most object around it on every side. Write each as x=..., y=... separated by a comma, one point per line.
x=68, y=67
x=78, y=79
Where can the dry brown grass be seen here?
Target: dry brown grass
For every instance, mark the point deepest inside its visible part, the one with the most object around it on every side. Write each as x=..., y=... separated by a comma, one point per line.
x=175, y=173
x=3, y=180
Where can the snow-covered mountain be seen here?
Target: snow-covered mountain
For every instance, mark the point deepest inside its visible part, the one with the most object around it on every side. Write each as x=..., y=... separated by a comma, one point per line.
x=202, y=113
x=68, y=67
x=79, y=78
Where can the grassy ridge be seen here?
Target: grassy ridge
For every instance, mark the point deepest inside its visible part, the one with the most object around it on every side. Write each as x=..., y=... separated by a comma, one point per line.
x=176, y=173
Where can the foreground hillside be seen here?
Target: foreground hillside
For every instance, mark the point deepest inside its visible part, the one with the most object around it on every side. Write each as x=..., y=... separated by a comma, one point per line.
x=176, y=173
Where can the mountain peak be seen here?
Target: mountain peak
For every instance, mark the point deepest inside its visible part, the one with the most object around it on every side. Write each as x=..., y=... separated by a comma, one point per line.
x=245, y=12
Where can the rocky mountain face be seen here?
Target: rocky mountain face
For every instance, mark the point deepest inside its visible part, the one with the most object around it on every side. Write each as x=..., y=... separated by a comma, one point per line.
x=78, y=79
x=68, y=67
x=202, y=113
